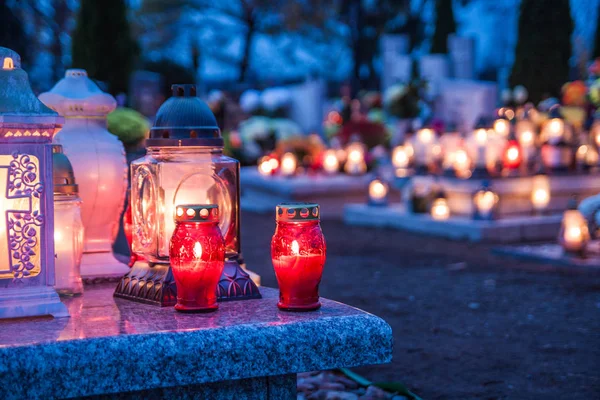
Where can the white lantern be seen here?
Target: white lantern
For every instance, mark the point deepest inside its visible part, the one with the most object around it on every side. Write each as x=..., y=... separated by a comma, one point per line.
x=98, y=159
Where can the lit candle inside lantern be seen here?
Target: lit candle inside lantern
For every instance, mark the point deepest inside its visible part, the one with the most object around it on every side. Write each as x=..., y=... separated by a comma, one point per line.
x=197, y=254
x=439, y=207
x=425, y=147
x=485, y=201
x=400, y=157
x=355, y=162
x=502, y=126
x=265, y=167
x=288, y=164
x=481, y=137
x=461, y=163
x=540, y=193
x=378, y=192
x=512, y=154
x=331, y=164
x=574, y=233
x=555, y=128
x=298, y=254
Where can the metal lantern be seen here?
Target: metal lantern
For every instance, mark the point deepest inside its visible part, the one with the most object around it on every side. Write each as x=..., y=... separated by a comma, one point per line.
x=98, y=159
x=26, y=198
x=184, y=164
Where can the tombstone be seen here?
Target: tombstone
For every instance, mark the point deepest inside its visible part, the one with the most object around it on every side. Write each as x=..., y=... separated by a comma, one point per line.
x=434, y=68
x=462, y=56
x=306, y=105
x=397, y=65
x=463, y=101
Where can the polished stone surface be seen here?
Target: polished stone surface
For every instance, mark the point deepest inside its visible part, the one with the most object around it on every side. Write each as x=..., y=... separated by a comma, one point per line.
x=113, y=345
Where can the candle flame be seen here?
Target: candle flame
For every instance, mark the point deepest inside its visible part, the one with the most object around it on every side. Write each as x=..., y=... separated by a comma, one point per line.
x=197, y=250
x=295, y=248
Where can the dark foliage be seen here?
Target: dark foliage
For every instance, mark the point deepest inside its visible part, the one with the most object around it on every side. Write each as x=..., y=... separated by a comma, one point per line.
x=444, y=26
x=543, y=48
x=102, y=43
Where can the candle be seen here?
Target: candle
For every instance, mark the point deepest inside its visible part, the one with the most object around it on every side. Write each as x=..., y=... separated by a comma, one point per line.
x=331, y=163
x=288, y=164
x=400, y=157
x=502, y=126
x=540, y=193
x=265, y=168
x=574, y=234
x=439, y=207
x=197, y=254
x=378, y=191
x=461, y=163
x=298, y=255
x=485, y=201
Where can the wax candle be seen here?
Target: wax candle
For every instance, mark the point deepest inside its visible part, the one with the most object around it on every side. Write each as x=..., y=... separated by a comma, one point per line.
x=298, y=254
x=197, y=254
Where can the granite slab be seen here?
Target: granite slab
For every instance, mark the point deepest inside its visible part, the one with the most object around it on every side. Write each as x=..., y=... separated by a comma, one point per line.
x=506, y=230
x=114, y=346
x=552, y=253
x=261, y=194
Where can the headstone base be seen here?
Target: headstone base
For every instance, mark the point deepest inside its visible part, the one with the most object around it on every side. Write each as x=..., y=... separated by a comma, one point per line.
x=507, y=230
x=552, y=253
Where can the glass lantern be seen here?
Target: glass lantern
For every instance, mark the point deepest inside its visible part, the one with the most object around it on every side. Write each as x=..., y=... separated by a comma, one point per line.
x=184, y=165
x=485, y=202
x=574, y=232
x=557, y=137
x=68, y=226
x=26, y=201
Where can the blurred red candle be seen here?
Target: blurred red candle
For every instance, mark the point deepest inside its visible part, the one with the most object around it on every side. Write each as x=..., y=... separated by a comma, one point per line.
x=298, y=254
x=197, y=254
x=512, y=155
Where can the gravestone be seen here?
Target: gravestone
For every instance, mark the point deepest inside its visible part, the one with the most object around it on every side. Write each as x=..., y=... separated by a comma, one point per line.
x=462, y=102
x=434, y=68
x=462, y=56
x=306, y=105
x=397, y=65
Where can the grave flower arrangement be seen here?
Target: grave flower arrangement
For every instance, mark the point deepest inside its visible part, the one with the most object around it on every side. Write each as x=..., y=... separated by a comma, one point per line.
x=404, y=100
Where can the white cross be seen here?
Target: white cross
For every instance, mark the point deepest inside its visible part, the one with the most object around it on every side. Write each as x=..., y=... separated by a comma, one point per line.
x=8, y=205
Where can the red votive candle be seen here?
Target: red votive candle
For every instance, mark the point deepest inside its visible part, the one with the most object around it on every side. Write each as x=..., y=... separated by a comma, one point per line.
x=298, y=254
x=197, y=254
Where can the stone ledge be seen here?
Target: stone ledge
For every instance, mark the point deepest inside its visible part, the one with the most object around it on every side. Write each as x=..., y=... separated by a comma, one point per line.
x=507, y=230
x=552, y=253
x=112, y=345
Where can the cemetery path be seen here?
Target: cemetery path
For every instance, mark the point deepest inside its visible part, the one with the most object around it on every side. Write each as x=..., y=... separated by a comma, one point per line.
x=467, y=324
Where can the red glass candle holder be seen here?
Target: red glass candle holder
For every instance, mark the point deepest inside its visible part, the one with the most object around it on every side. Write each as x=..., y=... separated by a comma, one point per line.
x=197, y=254
x=298, y=254
x=513, y=155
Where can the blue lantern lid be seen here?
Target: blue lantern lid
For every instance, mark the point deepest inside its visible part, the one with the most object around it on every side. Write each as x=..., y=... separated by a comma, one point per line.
x=22, y=116
x=184, y=120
